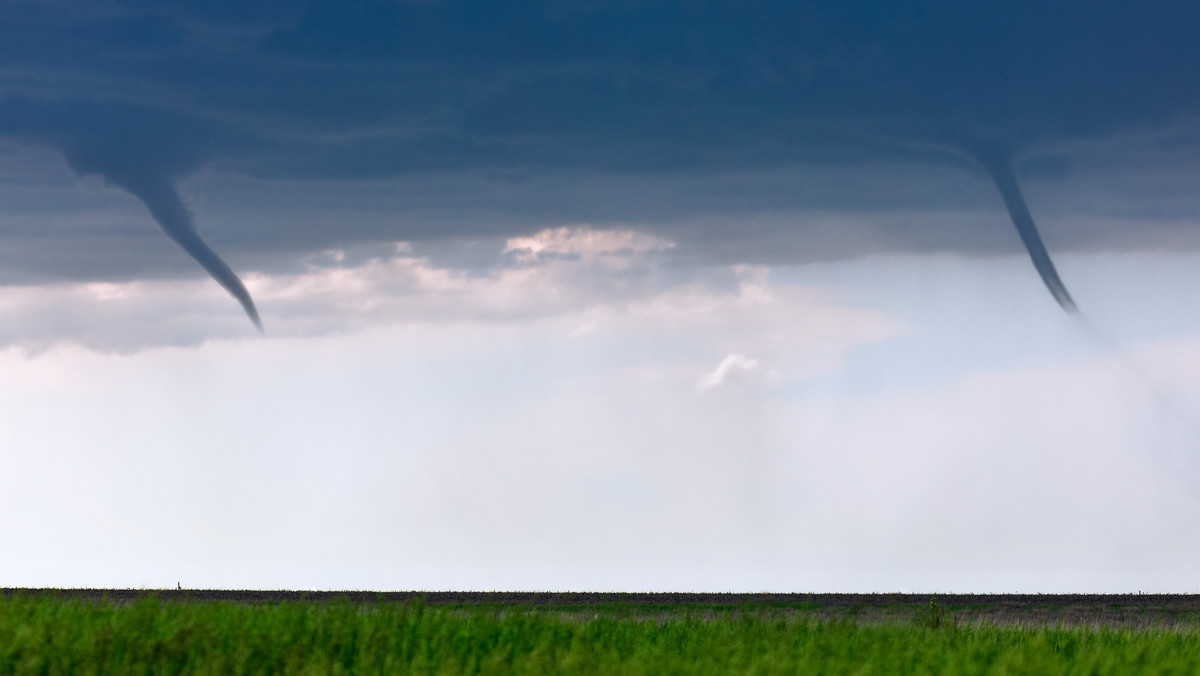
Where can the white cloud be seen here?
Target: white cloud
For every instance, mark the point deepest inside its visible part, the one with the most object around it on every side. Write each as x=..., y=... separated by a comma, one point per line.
x=611, y=247
x=583, y=329
x=729, y=365
x=334, y=296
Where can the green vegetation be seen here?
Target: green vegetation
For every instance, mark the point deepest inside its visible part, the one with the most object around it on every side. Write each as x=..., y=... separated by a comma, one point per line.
x=59, y=636
x=934, y=615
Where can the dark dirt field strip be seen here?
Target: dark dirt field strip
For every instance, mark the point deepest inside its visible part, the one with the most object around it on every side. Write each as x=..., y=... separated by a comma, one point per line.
x=1165, y=602
x=1117, y=610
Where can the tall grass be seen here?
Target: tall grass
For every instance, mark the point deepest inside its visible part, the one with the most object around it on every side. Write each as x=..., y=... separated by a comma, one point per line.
x=59, y=636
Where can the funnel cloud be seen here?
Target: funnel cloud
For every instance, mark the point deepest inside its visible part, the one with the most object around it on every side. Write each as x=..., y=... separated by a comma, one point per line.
x=162, y=199
x=731, y=128
x=1000, y=167
x=139, y=149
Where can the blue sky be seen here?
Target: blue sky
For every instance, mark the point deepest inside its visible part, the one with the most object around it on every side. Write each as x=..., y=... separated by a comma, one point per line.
x=597, y=295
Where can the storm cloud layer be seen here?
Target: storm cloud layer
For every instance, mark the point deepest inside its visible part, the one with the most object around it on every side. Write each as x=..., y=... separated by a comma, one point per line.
x=514, y=111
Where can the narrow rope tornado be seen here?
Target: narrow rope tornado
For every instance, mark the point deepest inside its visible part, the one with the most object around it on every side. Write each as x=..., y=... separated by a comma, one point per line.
x=161, y=197
x=1001, y=168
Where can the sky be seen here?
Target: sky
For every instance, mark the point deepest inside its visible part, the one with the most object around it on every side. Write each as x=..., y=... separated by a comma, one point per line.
x=616, y=295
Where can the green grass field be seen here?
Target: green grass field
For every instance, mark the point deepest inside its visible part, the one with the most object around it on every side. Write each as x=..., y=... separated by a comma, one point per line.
x=48, y=635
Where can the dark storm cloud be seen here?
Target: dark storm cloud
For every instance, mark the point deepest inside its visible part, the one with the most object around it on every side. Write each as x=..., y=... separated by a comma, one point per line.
x=420, y=86
x=145, y=93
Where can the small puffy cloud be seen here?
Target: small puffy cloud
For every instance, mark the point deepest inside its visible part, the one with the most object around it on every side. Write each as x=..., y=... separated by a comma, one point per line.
x=734, y=363
x=583, y=329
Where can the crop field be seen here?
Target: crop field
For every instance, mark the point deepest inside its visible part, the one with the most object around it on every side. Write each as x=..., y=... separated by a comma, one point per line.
x=200, y=632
